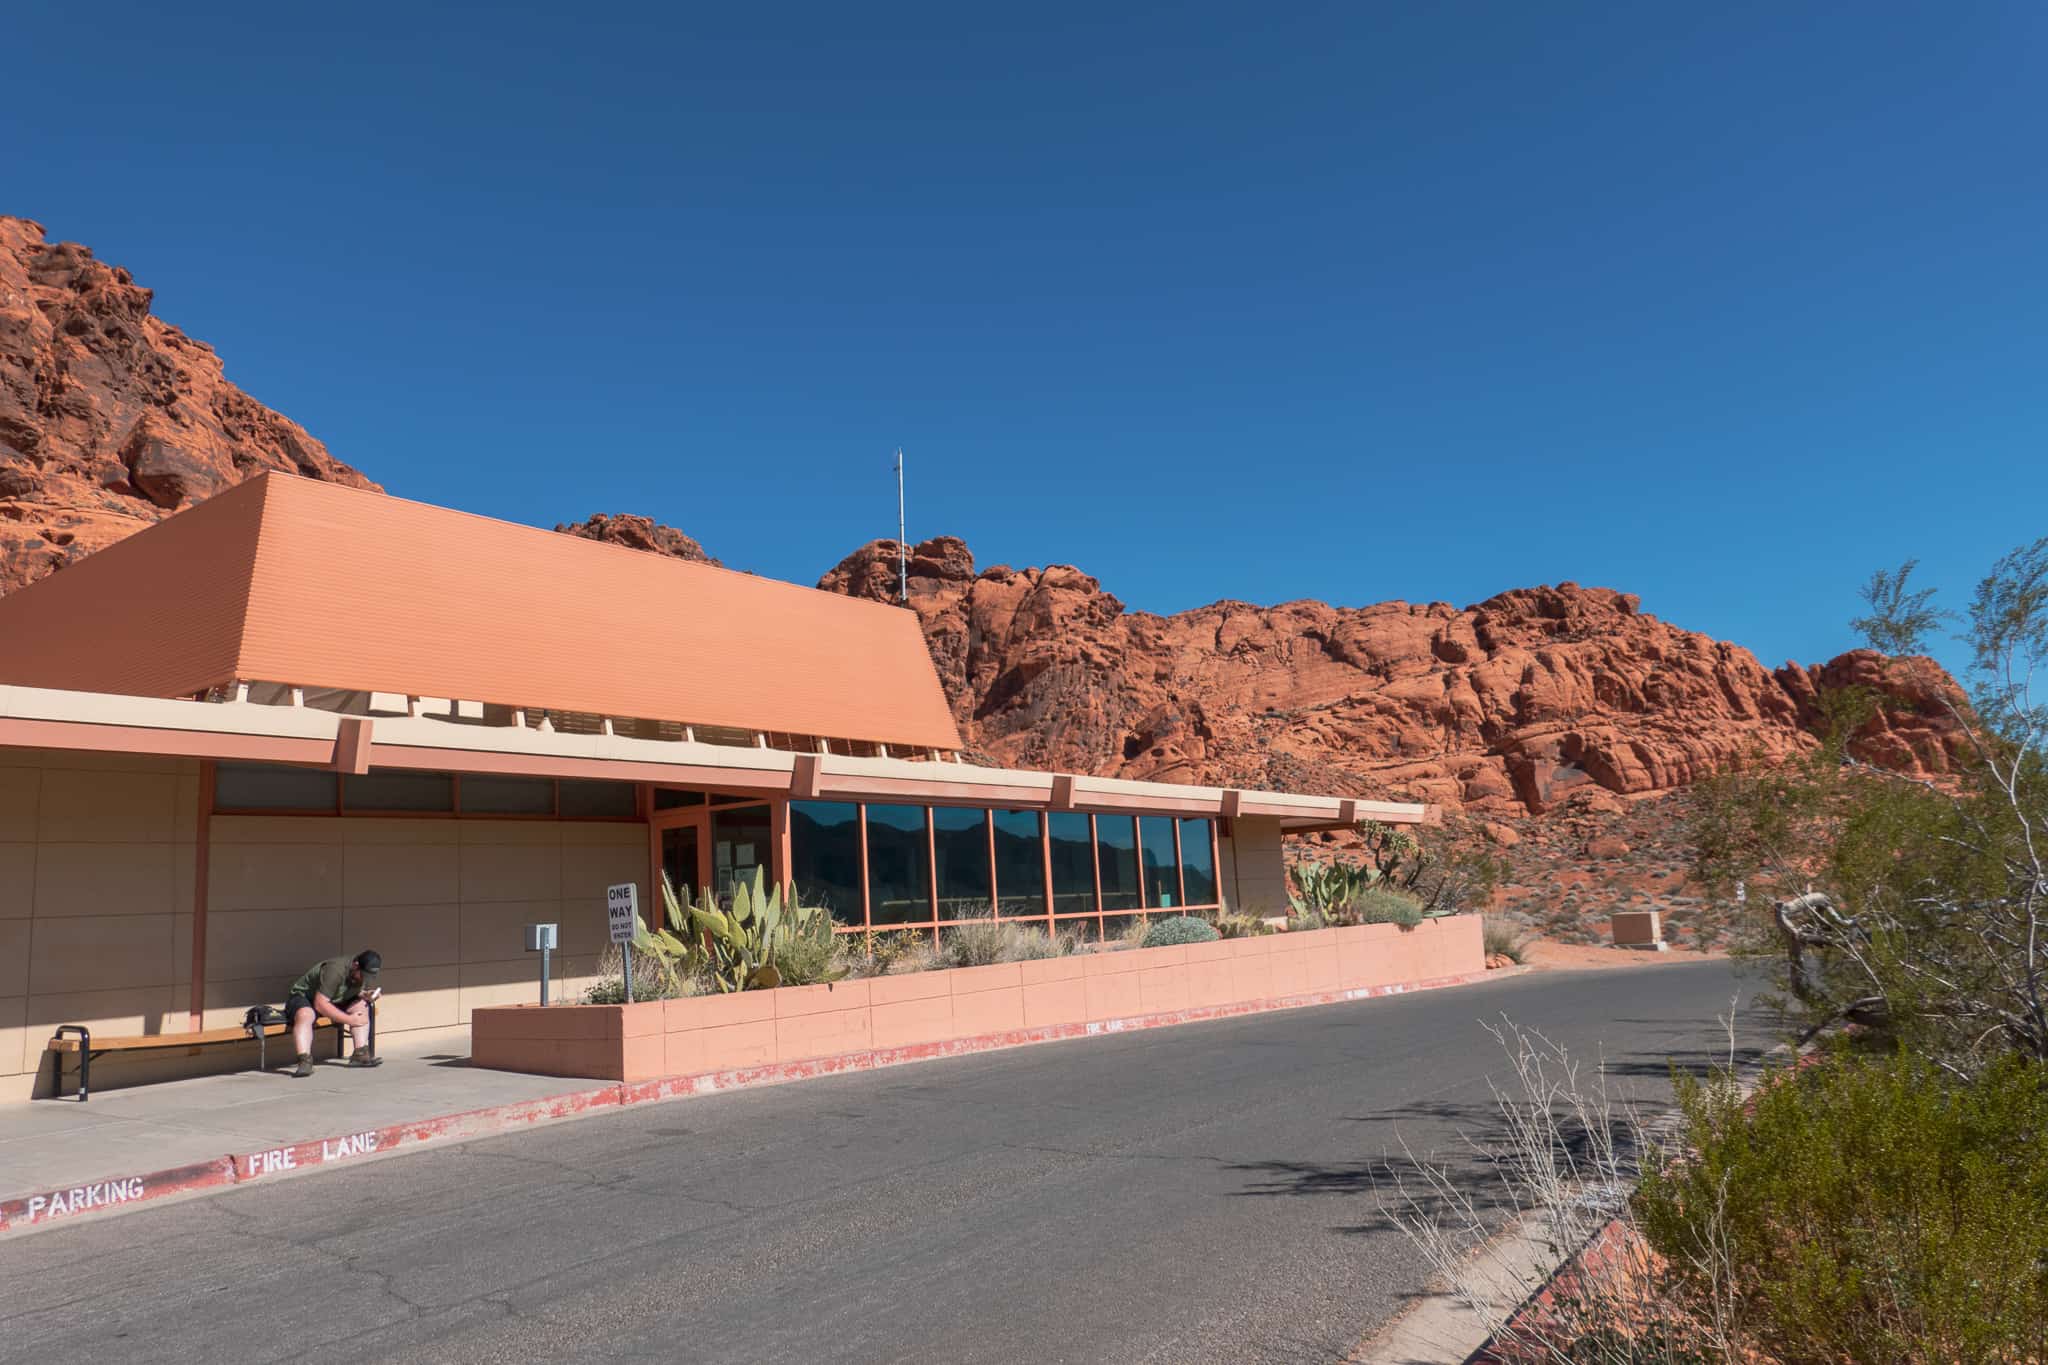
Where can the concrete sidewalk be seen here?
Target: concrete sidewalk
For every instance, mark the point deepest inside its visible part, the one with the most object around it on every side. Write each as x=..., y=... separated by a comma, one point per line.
x=59, y=1143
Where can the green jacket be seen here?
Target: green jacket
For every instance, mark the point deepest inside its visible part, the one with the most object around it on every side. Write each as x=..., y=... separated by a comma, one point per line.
x=329, y=978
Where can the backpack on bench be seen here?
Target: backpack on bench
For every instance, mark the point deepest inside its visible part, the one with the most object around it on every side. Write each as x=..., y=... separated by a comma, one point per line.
x=261, y=1017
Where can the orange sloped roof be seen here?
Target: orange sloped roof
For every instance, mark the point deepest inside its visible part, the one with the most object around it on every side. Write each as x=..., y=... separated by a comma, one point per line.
x=325, y=586
x=158, y=614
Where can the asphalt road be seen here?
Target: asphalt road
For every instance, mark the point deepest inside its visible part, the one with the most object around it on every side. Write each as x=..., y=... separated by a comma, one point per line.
x=1205, y=1193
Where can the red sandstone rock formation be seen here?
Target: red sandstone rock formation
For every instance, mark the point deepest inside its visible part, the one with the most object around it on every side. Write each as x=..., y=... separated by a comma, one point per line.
x=1507, y=706
x=110, y=418
x=639, y=533
x=1909, y=731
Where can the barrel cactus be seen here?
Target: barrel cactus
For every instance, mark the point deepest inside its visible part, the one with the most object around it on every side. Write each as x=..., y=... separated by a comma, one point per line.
x=1164, y=933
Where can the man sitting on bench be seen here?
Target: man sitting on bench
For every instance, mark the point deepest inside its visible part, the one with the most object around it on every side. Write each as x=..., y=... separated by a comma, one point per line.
x=339, y=990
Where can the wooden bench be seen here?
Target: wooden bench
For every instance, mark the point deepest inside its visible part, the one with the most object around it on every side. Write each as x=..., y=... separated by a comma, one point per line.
x=87, y=1047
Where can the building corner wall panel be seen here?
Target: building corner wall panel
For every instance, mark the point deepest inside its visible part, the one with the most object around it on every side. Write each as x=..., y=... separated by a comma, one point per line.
x=1258, y=865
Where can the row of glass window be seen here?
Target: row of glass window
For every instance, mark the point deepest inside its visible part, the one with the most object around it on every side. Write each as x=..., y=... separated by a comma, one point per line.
x=934, y=864
x=253, y=787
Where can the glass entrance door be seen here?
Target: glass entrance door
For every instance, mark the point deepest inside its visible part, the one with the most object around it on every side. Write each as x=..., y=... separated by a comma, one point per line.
x=679, y=849
x=741, y=842
x=714, y=846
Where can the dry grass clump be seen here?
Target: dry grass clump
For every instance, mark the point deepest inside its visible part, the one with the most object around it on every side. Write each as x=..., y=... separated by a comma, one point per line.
x=1566, y=1160
x=1505, y=938
x=979, y=944
x=650, y=981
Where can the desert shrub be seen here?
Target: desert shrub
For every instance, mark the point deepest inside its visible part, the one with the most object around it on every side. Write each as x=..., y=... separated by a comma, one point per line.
x=653, y=979
x=1382, y=905
x=1875, y=1209
x=1504, y=937
x=1178, y=929
x=1026, y=943
x=890, y=953
x=1326, y=895
x=918, y=954
x=1130, y=931
x=1241, y=926
x=973, y=945
x=1074, y=937
x=810, y=959
x=985, y=942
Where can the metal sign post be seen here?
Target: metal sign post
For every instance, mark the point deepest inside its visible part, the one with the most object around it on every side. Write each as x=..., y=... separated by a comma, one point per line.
x=540, y=938
x=622, y=904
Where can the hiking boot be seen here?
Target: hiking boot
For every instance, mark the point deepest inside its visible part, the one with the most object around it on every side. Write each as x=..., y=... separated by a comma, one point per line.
x=362, y=1056
x=305, y=1066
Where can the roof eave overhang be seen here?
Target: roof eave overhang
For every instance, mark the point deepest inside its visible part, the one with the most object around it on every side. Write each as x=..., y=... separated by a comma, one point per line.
x=243, y=732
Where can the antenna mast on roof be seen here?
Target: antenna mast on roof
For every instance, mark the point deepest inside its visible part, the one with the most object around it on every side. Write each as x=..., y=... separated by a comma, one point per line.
x=902, y=544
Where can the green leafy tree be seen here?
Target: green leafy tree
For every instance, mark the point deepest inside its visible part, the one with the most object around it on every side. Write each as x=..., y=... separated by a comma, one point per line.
x=1914, y=908
x=1901, y=617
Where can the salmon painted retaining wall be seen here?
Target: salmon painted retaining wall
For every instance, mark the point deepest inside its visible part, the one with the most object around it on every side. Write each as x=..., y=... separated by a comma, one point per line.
x=1035, y=1000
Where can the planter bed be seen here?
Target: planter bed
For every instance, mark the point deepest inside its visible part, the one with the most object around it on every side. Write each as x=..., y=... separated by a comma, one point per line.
x=1013, y=1001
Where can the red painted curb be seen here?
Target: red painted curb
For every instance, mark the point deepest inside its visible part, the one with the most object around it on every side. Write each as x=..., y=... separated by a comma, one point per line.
x=34, y=1209
x=39, y=1210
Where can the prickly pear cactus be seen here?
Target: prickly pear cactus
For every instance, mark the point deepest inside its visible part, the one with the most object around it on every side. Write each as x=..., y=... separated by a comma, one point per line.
x=737, y=946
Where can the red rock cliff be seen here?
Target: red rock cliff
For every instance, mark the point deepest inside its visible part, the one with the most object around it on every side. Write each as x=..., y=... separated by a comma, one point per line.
x=1507, y=705
x=638, y=533
x=110, y=418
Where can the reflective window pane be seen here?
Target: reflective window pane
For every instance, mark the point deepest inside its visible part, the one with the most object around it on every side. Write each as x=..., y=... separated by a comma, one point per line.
x=1198, y=862
x=824, y=855
x=507, y=796
x=899, y=869
x=1116, y=842
x=1162, y=871
x=1073, y=863
x=960, y=841
x=671, y=798
x=254, y=786
x=398, y=792
x=597, y=800
x=1020, y=864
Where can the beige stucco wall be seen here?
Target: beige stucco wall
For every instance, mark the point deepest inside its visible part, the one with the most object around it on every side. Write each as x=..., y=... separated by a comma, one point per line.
x=97, y=873
x=445, y=902
x=96, y=877
x=1253, y=872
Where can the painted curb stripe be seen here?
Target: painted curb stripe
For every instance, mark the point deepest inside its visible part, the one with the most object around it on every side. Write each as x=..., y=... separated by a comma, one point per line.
x=41, y=1209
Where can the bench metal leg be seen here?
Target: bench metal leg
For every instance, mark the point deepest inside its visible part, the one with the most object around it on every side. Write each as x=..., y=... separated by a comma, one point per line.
x=84, y=1060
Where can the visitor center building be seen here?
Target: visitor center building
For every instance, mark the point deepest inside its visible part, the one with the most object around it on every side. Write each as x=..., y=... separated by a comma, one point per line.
x=300, y=719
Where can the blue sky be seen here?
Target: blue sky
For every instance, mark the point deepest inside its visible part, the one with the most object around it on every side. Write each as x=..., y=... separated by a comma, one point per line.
x=1722, y=305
